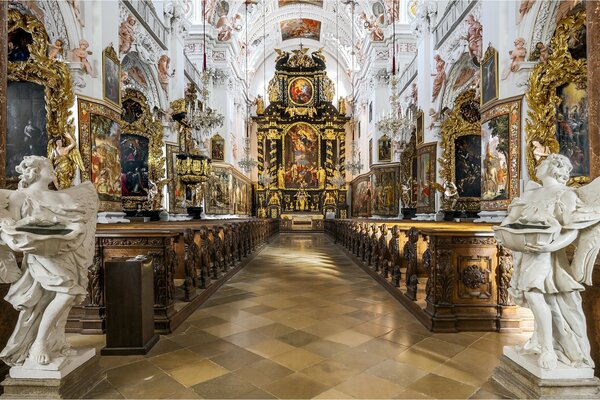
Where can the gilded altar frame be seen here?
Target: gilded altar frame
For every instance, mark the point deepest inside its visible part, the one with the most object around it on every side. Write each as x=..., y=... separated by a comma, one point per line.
x=545, y=79
x=53, y=75
x=463, y=120
x=146, y=126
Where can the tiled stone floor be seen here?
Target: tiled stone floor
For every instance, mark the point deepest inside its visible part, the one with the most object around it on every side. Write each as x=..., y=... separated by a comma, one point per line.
x=301, y=320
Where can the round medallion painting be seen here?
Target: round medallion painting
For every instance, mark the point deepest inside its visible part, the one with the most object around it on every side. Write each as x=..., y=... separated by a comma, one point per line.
x=300, y=91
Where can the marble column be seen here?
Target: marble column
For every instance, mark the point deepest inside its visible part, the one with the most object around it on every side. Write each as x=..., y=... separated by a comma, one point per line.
x=591, y=296
x=3, y=61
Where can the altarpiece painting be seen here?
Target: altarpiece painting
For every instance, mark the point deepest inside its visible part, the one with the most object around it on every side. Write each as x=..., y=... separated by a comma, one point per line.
x=425, y=172
x=385, y=197
x=361, y=196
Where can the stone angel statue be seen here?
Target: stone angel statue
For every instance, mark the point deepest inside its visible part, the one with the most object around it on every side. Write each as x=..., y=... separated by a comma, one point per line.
x=449, y=192
x=540, y=225
x=55, y=232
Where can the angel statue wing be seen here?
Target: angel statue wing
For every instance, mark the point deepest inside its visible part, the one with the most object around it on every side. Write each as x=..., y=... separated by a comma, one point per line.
x=87, y=200
x=75, y=157
x=587, y=219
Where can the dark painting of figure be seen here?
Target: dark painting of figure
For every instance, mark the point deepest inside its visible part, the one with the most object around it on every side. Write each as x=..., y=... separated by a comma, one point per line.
x=489, y=80
x=112, y=81
x=467, y=152
x=385, y=149
x=572, y=128
x=217, y=146
x=134, y=165
x=18, y=40
x=26, y=124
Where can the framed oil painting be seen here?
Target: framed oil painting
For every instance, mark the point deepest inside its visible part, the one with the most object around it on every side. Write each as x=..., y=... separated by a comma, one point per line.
x=300, y=28
x=467, y=167
x=111, y=76
x=26, y=133
x=217, y=148
x=361, y=196
x=384, y=149
x=489, y=76
x=500, y=154
x=425, y=172
x=241, y=194
x=175, y=188
x=572, y=127
x=301, y=91
x=420, y=128
x=217, y=197
x=301, y=145
x=384, y=196
x=99, y=145
x=134, y=165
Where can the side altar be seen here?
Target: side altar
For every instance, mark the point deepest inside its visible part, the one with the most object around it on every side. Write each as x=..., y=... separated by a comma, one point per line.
x=301, y=140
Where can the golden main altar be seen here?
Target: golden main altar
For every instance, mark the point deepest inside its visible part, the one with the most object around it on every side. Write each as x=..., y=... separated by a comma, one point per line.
x=301, y=140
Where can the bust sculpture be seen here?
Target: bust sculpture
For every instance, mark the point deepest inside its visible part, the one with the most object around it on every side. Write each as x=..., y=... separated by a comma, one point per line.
x=539, y=227
x=55, y=232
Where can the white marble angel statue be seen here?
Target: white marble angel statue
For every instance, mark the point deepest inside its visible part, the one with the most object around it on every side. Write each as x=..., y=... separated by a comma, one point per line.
x=540, y=225
x=55, y=232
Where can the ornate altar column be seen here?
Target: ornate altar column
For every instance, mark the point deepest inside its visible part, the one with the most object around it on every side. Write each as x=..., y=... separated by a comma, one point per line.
x=3, y=80
x=591, y=296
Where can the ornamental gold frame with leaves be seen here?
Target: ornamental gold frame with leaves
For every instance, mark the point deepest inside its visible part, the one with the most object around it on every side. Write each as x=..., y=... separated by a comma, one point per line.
x=454, y=127
x=545, y=79
x=53, y=75
x=146, y=126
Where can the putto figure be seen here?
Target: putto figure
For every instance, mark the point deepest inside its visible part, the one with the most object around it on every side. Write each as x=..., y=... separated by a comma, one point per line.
x=55, y=232
x=539, y=227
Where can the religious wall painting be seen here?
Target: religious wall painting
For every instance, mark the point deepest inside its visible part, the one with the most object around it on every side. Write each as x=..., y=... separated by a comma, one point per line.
x=420, y=126
x=18, y=42
x=572, y=127
x=218, y=192
x=99, y=145
x=500, y=154
x=489, y=76
x=111, y=76
x=301, y=91
x=384, y=149
x=384, y=197
x=361, y=196
x=26, y=124
x=318, y=3
x=175, y=188
x=425, y=175
x=217, y=148
x=301, y=157
x=467, y=172
x=300, y=28
x=241, y=194
x=134, y=165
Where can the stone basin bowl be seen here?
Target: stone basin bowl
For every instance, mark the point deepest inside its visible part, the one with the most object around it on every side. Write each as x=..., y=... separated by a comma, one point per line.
x=517, y=236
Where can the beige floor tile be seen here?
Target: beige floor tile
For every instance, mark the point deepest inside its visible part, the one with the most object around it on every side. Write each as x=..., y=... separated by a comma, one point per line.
x=236, y=359
x=421, y=359
x=226, y=386
x=329, y=372
x=333, y=394
x=297, y=359
x=299, y=321
x=403, y=337
x=295, y=386
x=190, y=375
x=382, y=347
x=226, y=329
x=356, y=359
x=270, y=348
x=245, y=339
x=440, y=387
x=324, y=329
x=368, y=386
x=175, y=359
x=399, y=373
x=214, y=348
x=439, y=347
x=263, y=372
x=411, y=394
x=273, y=330
x=371, y=329
x=350, y=338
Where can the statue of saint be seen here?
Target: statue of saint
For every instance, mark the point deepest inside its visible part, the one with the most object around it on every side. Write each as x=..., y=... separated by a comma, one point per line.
x=66, y=160
x=540, y=225
x=274, y=200
x=55, y=232
x=440, y=76
x=260, y=105
x=321, y=177
x=281, y=178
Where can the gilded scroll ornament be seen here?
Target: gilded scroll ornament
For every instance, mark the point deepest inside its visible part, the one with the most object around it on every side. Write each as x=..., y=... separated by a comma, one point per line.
x=53, y=75
x=462, y=121
x=545, y=79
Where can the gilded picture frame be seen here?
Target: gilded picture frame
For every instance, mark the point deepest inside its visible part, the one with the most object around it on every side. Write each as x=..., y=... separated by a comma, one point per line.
x=544, y=100
x=463, y=120
x=99, y=133
x=111, y=76
x=489, y=76
x=33, y=65
x=425, y=174
x=175, y=188
x=293, y=97
x=500, y=154
x=384, y=190
x=137, y=120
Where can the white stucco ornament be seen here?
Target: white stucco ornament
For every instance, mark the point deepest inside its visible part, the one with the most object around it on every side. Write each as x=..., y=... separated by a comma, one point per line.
x=55, y=232
x=540, y=225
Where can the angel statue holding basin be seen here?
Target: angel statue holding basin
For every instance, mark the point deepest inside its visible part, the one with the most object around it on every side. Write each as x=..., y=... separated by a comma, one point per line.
x=55, y=232
x=539, y=227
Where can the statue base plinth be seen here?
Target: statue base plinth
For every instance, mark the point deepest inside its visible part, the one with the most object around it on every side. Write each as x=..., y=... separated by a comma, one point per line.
x=71, y=377
x=111, y=217
x=558, y=383
x=491, y=216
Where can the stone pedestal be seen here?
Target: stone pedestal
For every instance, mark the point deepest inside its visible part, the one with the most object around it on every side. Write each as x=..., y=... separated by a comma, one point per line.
x=524, y=384
x=78, y=376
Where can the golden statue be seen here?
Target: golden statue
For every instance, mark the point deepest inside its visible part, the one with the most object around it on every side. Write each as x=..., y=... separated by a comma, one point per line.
x=280, y=178
x=321, y=176
x=274, y=200
x=342, y=105
x=329, y=199
x=66, y=160
x=260, y=105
